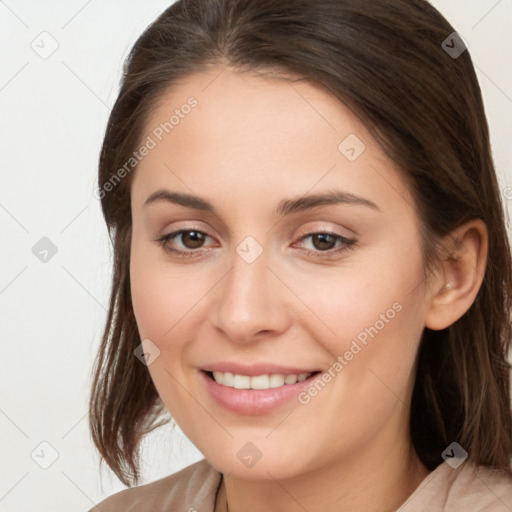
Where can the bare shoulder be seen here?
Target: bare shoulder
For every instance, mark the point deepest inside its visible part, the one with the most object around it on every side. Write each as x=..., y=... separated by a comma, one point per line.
x=194, y=487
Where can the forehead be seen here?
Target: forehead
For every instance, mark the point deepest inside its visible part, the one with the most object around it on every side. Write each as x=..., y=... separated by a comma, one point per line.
x=243, y=102
x=257, y=133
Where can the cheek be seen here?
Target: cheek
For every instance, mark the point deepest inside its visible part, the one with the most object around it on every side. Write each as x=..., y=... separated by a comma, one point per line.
x=372, y=365
x=167, y=307
x=160, y=296
x=158, y=307
x=150, y=301
x=363, y=302
x=371, y=322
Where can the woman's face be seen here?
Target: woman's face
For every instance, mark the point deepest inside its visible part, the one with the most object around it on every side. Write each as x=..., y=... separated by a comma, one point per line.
x=260, y=290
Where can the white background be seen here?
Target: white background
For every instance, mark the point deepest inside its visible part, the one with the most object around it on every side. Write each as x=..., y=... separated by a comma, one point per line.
x=53, y=116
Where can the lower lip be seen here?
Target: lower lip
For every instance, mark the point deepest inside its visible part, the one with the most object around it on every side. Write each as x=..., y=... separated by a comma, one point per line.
x=253, y=401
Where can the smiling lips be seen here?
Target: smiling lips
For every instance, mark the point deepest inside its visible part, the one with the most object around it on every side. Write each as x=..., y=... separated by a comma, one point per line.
x=255, y=389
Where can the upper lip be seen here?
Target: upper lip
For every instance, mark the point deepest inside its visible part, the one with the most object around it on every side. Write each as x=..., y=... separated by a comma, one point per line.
x=254, y=369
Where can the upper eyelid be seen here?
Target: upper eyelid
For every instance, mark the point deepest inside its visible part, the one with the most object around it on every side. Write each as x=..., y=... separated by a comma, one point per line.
x=302, y=232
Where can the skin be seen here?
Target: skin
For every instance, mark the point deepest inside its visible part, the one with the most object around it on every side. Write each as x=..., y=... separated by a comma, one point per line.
x=250, y=143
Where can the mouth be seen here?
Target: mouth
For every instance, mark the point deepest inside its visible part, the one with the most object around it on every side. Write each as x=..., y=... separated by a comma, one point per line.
x=257, y=394
x=260, y=382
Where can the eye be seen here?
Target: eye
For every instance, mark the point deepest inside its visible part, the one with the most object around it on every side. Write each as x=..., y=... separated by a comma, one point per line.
x=191, y=239
x=324, y=244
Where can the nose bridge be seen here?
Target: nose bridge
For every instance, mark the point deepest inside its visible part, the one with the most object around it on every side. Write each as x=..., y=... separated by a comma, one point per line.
x=249, y=301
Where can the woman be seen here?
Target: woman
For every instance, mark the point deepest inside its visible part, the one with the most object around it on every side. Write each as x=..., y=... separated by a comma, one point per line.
x=312, y=273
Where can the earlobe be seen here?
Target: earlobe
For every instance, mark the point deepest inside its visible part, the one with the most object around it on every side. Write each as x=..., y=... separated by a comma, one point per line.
x=462, y=272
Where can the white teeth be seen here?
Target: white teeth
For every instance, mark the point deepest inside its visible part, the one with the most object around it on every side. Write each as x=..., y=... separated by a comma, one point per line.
x=276, y=380
x=228, y=379
x=266, y=381
x=219, y=377
x=290, y=379
x=260, y=382
x=241, y=382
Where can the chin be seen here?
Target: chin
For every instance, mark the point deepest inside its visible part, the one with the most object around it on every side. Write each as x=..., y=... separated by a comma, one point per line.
x=249, y=463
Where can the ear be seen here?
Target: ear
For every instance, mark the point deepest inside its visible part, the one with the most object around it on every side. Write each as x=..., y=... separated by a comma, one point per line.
x=453, y=290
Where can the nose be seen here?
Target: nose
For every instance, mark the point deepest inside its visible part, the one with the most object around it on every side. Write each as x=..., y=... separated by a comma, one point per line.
x=251, y=302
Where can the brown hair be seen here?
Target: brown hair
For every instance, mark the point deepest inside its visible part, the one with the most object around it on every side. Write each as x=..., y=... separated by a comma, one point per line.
x=384, y=60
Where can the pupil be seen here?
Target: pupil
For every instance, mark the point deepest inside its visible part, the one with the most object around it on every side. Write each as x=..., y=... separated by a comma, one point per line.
x=196, y=239
x=322, y=237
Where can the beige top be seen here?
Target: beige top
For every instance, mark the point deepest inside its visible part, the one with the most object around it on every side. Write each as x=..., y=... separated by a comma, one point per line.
x=194, y=489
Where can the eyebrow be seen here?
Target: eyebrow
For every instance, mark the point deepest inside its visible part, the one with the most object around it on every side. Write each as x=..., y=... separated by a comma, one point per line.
x=285, y=207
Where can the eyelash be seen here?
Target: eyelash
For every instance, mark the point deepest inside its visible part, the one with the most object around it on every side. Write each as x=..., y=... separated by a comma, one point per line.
x=349, y=243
